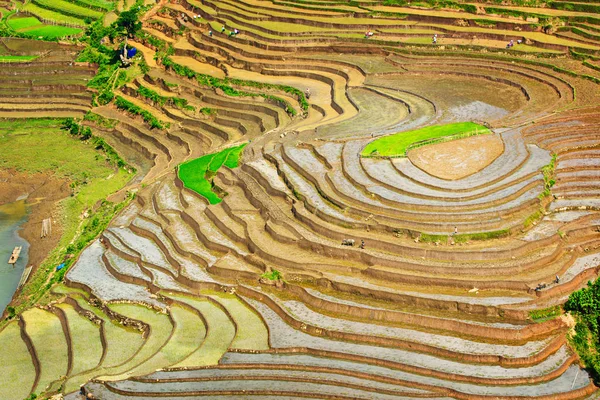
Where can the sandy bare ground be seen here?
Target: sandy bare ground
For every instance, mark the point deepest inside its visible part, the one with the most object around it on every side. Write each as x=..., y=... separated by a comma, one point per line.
x=459, y=158
x=42, y=192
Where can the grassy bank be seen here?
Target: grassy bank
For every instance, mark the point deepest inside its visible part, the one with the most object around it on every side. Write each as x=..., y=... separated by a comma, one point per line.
x=41, y=145
x=197, y=174
x=397, y=144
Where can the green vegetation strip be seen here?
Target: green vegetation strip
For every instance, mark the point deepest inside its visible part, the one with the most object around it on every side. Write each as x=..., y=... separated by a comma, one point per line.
x=128, y=106
x=162, y=100
x=225, y=85
x=465, y=237
x=197, y=174
x=17, y=58
x=398, y=144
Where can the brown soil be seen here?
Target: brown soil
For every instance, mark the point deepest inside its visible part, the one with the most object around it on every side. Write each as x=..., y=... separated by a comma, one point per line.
x=459, y=158
x=42, y=192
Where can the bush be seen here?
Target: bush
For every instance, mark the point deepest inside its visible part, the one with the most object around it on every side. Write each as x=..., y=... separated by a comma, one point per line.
x=584, y=305
x=274, y=275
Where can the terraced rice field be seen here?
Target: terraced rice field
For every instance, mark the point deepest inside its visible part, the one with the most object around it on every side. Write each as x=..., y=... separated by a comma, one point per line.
x=402, y=277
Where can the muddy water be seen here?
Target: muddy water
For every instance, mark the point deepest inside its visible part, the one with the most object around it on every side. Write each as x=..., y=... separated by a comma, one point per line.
x=12, y=218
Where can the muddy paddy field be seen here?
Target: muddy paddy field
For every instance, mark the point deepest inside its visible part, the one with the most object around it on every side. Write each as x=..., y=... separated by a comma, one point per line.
x=300, y=210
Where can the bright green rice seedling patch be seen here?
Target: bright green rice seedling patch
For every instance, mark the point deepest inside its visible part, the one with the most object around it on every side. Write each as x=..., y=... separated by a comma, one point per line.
x=397, y=144
x=67, y=8
x=51, y=31
x=15, y=361
x=21, y=23
x=52, y=15
x=17, y=58
x=194, y=173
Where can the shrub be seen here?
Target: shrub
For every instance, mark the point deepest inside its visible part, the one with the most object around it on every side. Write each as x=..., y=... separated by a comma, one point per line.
x=274, y=275
x=584, y=305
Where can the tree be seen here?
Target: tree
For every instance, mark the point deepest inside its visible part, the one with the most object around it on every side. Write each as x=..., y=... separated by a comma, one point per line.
x=129, y=21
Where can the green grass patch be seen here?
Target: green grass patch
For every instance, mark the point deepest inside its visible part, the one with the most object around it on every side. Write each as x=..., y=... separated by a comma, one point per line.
x=197, y=174
x=398, y=144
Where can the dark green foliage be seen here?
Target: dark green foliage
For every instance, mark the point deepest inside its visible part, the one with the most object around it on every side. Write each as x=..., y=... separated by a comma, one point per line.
x=395, y=3
x=129, y=21
x=576, y=6
x=128, y=106
x=108, y=64
x=584, y=304
x=435, y=4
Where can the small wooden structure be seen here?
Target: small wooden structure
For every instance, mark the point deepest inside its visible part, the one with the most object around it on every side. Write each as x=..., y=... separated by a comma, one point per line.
x=46, y=228
x=25, y=275
x=15, y=255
